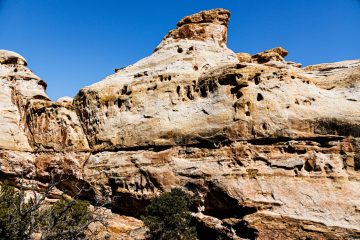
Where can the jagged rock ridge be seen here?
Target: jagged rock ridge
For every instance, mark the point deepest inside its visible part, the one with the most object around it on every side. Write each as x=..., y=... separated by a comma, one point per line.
x=268, y=149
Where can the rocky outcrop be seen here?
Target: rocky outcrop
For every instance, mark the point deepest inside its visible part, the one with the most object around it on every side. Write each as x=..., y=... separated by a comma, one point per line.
x=133, y=99
x=268, y=150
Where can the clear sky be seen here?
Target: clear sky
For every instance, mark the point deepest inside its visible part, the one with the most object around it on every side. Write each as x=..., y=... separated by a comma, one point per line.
x=74, y=43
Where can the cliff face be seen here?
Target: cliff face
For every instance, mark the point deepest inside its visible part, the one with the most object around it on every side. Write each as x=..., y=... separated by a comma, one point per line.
x=267, y=148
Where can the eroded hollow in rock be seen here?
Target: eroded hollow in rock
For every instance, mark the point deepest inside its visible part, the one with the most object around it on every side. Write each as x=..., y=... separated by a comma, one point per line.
x=219, y=204
x=337, y=127
x=244, y=231
x=259, y=97
x=257, y=79
x=125, y=202
x=206, y=233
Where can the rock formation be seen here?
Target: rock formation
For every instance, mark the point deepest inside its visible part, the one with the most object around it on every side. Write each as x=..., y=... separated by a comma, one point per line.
x=268, y=150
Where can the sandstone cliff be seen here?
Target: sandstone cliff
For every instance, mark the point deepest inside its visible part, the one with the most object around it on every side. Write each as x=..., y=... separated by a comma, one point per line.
x=268, y=149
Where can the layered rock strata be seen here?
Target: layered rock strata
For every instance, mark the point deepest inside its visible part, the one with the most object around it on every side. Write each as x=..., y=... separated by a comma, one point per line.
x=268, y=150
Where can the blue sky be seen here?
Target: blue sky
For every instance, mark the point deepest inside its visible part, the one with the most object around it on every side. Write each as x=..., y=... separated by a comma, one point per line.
x=74, y=43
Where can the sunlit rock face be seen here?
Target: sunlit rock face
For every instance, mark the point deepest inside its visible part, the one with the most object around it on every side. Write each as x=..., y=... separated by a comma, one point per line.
x=159, y=99
x=30, y=121
x=268, y=149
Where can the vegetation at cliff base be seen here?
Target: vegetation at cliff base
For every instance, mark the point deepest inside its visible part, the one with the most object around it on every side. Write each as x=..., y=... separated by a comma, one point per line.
x=168, y=217
x=22, y=217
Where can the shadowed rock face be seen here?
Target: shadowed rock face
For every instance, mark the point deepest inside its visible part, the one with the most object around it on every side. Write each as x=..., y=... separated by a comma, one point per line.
x=269, y=150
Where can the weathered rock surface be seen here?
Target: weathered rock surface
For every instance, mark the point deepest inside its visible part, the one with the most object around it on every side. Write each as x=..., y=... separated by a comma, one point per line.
x=268, y=149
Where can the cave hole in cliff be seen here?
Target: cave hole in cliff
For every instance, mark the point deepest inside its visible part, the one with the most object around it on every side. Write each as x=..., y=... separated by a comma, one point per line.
x=357, y=161
x=218, y=203
x=239, y=66
x=194, y=86
x=124, y=90
x=179, y=50
x=239, y=94
x=337, y=127
x=204, y=111
x=189, y=93
x=119, y=102
x=257, y=79
x=259, y=97
x=247, y=113
x=205, y=232
x=203, y=91
x=244, y=231
x=328, y=168
x=229, y=79
x=41, y=97
x=310, y=165
x=212, y=86
x=125, y=202
x=293, y=150
x=235, y=89
x=206, y=86
x=43, y=84
x=178, y=90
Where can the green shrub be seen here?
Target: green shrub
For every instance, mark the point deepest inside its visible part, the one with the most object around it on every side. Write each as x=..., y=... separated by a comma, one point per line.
x=168, y=217
x=21, y=218
x=15, y=215
x=66, y=219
